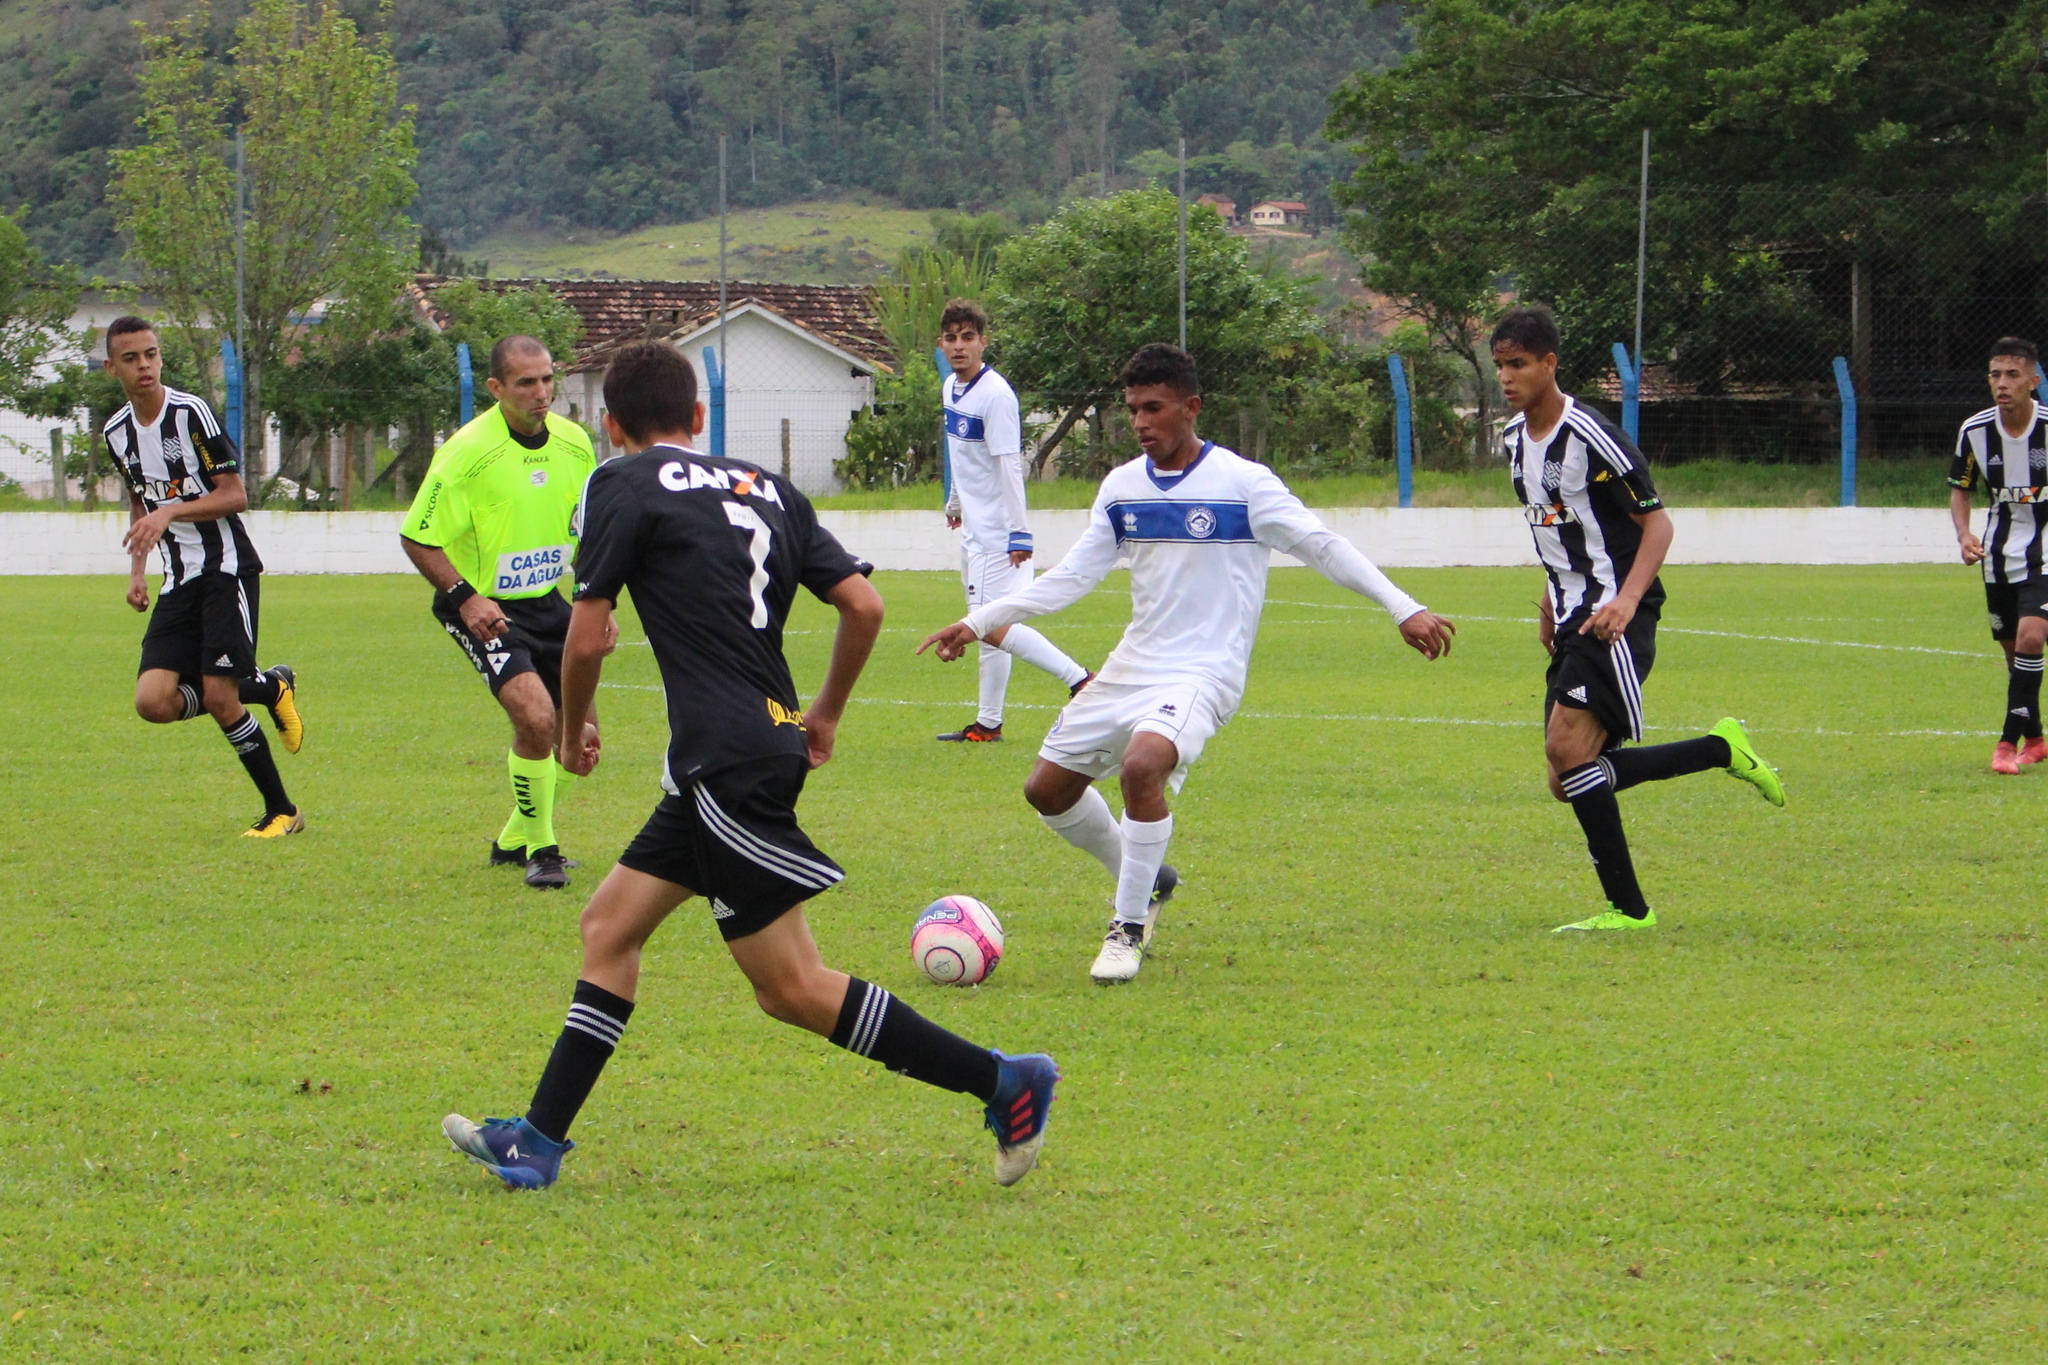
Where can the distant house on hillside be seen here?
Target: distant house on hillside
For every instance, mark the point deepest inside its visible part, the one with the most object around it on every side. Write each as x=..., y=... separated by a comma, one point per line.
x=1280, y=213
x=808, y=353
x=1226, y=208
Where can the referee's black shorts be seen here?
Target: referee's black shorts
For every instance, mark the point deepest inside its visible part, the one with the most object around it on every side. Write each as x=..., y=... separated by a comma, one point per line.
x=536, y=629
x=1601, y=676
x=206, y=625
x=732, y=837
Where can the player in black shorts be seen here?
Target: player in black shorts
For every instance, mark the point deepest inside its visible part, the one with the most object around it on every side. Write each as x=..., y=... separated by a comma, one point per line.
x=184, y=496
x=1602, y=534
x=713, y=551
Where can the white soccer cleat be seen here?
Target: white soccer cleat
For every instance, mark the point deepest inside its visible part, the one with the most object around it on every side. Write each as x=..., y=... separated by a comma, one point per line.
x=1123, y=953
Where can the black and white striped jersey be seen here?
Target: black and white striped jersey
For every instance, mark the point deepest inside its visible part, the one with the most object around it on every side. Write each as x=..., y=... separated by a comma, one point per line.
x=173, y=459
x=2014, y=470
x=1581, y=488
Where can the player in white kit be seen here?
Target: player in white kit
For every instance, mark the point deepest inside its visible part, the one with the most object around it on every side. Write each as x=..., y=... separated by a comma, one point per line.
x=985, y=451
x=1198, y=524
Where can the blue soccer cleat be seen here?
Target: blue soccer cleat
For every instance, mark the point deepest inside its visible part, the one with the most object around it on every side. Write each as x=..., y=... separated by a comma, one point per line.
x=511, y=1149
x=1018, y=1112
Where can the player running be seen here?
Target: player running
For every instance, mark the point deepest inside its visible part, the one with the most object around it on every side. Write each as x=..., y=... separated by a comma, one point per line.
x=985, y=452
x=490, y=530
x=713, y=551
x=1198, y=524
x=1602, y=534
x=2006, y=447
x=185, y=497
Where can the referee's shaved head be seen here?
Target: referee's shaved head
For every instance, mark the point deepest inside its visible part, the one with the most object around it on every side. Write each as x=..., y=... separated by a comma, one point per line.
x=508, y=347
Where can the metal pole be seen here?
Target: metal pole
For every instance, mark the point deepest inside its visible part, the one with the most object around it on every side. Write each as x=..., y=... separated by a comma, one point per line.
x=1846, y=387
x=721, y=260
x=1404, y=432
x=57, y=482
x=465, y=382
x=945, y=446
x=1183, y=244
x=1631, y=393
x=1642, y=244
x=241, y=218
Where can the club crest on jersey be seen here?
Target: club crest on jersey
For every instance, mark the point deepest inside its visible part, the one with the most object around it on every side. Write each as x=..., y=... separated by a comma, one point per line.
x=539, y=478
x=1201, y=523
x=684, y=476
x=1553, y=475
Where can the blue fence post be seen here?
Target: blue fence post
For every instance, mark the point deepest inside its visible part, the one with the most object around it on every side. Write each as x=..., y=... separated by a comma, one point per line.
x=1631, y=394
x=2041, y=392
x=1846, y=386
x=1404, y=432
x=714, y=384
x=945, y=446
x=465, y=382
x=231, y=379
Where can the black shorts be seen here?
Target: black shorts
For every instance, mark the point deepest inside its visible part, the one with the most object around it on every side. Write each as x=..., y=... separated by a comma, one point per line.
x=733, y=838
x=2008, y=602
x=532, y=642
x=1603, y=677
x=205, y=626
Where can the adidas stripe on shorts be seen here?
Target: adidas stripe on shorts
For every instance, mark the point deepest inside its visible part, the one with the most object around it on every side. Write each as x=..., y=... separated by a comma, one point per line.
x=1604, y=677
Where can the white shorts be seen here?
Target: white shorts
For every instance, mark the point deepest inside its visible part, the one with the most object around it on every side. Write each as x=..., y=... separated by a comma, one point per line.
x=1095, y=728
x=989, y=576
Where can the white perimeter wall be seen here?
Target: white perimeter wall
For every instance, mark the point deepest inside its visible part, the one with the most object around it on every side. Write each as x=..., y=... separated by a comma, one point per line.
x=1423, y=537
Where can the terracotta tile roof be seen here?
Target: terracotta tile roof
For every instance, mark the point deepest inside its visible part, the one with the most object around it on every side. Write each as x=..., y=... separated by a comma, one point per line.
x=617, y=311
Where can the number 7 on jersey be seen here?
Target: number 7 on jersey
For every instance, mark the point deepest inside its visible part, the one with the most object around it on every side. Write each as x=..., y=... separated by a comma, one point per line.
x=747, y=519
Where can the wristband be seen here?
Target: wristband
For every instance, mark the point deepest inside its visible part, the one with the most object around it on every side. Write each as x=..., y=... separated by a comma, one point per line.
x=460, y=592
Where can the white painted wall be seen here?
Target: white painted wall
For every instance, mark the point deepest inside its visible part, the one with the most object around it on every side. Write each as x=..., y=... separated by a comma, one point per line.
x=367, y=542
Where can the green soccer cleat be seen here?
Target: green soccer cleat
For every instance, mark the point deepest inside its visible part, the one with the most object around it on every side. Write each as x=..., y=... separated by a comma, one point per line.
x=1746, y=763
x=1610, y=918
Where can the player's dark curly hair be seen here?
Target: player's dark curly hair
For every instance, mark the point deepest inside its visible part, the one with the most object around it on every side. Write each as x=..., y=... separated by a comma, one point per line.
x=1533, y=329
x=964, y=313
x=2016, y=346
x=649, y=388
x=123, y=325
x=1158, y=363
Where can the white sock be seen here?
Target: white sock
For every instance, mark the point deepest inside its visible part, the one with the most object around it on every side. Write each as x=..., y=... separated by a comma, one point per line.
x=1041, y=653
x=995, y=681
x=1089, y=826
x=1144, y=852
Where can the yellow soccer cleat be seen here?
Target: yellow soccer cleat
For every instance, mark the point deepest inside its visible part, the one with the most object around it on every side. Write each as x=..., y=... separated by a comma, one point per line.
x=284, y=712
x=273, y=826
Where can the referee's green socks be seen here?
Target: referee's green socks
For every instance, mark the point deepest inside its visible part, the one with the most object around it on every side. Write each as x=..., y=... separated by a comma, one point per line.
x=532, y=824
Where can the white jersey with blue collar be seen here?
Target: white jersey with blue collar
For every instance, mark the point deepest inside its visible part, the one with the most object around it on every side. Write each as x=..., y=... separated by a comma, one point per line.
x=1199, y=542
x=985, y=451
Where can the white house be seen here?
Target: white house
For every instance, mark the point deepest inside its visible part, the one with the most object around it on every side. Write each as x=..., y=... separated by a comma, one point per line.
x=806, y=355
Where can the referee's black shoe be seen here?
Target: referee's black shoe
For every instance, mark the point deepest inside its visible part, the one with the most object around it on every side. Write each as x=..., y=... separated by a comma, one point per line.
x=507, y=857
x=547, y=869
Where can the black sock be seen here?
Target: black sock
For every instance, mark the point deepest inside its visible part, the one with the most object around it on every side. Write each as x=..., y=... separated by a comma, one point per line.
x=1592, y=798
x=247, y=737
x=261, y=690
x=2022, y=698
x=596, y=1022
x=1655, y=762
x=876, y=1024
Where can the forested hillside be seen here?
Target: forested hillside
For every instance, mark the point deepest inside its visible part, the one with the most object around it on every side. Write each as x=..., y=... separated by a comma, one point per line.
x=607, y=113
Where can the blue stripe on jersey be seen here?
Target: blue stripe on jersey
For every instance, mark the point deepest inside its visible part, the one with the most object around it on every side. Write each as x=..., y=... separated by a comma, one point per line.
x=1187, y=522
x=965, y=426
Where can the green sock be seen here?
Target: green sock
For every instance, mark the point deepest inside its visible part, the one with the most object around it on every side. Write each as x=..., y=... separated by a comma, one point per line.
x=564, y=779
x=533, y=801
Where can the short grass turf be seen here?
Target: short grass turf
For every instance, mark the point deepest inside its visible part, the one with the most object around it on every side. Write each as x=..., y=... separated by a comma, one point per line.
x=1361, y=1105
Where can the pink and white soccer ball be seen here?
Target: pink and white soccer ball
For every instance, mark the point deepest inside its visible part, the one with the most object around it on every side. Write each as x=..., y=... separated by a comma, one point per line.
x=957, y=941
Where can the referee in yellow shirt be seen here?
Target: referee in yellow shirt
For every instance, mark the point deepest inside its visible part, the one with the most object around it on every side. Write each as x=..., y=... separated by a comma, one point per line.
x=492, y=530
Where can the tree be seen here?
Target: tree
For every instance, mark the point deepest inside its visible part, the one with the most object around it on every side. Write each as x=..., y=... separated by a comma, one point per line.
x=36, y=300
x=1864, y=135
x=1077, y=295
x=329, y=158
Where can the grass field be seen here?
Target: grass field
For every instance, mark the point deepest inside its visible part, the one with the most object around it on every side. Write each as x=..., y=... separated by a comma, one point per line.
x=1361, y=1105
x=824, y=241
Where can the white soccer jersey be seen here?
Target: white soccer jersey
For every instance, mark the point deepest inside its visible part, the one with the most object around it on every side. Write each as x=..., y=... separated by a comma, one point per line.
x=2014, y=471
x=1199, y=542
x=985, y=451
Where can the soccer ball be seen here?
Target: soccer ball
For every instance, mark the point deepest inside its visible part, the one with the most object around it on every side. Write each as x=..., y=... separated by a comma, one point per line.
x=957, y=941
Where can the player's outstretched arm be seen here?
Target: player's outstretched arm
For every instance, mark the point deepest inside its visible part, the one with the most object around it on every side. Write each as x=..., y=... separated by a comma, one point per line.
x=952, y=642
x=860, y=621
x=592, y=635
x=1428, y=634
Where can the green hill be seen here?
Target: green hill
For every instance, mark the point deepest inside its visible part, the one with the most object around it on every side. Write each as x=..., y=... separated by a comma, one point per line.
x=578, y=117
